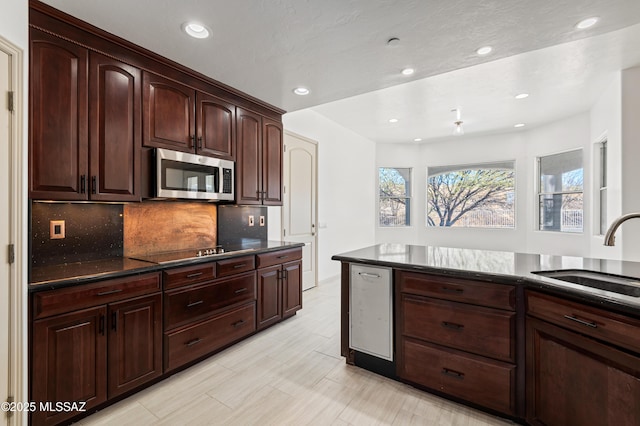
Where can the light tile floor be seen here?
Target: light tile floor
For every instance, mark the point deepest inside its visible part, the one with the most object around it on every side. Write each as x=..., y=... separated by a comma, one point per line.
x=290, y=374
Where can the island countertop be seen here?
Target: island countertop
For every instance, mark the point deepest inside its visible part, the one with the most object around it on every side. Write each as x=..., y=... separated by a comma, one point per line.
x=504, y=267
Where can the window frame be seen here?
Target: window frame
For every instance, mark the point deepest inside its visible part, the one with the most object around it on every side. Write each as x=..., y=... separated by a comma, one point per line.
x=539, y=193
x=409, y=196
x=601, y=185
x=475, y=166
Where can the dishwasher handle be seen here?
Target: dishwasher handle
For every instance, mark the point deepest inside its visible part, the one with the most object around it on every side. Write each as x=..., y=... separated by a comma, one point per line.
x=368, y=275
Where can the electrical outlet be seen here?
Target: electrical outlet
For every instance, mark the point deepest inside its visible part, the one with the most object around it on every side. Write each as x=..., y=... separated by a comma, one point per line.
x=251, y=221
x=261, y=220
x=56, y=229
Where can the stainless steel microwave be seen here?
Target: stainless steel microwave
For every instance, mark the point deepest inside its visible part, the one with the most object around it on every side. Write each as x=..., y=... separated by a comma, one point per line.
x=196, y=177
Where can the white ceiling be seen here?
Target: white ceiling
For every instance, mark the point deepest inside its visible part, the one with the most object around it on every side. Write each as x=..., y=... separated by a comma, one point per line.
x=338, y=49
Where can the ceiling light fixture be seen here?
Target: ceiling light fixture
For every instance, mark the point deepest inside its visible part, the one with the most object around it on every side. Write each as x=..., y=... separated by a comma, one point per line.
x=457, y=129
x=522, y=96
x=587, y=23
x=196, y=30
x=518, y=125
x=301, y=91
x=417, y=140
x=484, y=50
x=393, y=42
x=393, y=120
x=408, y=71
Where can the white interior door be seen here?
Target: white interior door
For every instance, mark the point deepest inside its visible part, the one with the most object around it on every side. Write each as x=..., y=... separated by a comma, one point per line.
x=299, y=211
x=5, y=187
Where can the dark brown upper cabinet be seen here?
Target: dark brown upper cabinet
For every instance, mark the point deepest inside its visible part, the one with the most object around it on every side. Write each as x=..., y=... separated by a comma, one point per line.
x=259, y=166
x=85, y=124
x=181, y=118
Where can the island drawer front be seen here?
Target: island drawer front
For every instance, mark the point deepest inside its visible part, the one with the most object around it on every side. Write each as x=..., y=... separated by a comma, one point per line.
x=191, y=303
x=484, y=331
x=52, y=302
x=186, y=275
x=193, y=342
x=499, y=296
x=279, y=257
x=613, y=328
x=476, y=379
x=236, y=265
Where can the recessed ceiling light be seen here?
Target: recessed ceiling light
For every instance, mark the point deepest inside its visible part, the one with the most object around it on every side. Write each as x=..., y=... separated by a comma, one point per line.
x=393, y=120
x=417, y=140
x=408, y=71
x=484, y=50
x=522, y=96
x=587, y=23
x=195, y=30
x=518, y=125
x=301, y=91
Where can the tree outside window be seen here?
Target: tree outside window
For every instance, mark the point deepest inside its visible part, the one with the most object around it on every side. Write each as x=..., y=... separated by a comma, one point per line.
x=394, y=196
x=480, y=195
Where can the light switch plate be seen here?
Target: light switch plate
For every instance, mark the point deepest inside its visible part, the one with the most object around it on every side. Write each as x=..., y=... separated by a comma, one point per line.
x=251, y=220
x=261, y=220
x=56, y=229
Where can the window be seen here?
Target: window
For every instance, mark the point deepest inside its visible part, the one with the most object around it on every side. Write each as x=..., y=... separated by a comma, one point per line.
x=602, y=187
x=395, y=196
x=560, y=192
x=477, y=195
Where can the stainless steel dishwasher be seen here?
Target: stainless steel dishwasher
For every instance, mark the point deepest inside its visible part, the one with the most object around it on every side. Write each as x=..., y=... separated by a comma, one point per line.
x=371, y=315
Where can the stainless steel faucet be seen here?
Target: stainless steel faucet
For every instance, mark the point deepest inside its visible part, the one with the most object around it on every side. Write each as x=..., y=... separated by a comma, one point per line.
x=609, y=238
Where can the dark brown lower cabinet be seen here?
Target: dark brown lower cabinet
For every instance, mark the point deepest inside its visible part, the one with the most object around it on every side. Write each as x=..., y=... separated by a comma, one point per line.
x=279, y=292
x=575, y=380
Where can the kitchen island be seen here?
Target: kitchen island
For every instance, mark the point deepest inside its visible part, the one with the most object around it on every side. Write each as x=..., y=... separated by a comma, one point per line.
x=484, y=328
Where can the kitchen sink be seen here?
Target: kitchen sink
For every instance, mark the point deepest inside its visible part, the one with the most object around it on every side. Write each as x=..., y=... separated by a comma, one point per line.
x=614, y=283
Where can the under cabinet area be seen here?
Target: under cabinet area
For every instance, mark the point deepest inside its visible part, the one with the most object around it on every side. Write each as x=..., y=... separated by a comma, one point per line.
x=94, y=342
x=583, y=364
x=458, y=337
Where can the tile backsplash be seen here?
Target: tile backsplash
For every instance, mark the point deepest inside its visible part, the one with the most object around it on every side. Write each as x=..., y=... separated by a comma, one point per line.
x=92, y=232
x=234, y=227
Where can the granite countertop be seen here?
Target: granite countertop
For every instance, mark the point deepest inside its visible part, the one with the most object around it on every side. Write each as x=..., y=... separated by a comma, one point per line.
x=504, y=267
x=48, y=277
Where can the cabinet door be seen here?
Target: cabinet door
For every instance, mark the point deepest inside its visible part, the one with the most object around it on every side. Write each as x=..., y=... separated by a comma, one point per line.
x=135, y=343
x=271, y=162
x=573, y=380
x=114, y=130
x=292, y=288
x=58, y=119
x=69, y=362
x=269, y=296
x=249, y=164
x=168, y=114
x=216, y=127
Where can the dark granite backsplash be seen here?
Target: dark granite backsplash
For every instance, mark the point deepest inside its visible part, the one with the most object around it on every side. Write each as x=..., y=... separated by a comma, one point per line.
x=93, y=231
x=233, y=225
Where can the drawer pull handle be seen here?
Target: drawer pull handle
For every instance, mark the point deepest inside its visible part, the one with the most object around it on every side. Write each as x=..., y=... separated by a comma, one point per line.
x=238, y=323
x=583, y=322
x=192, y=304
x=242, y=265
x=105, y=293
x=453, y=373
x=194, y=342
x=197, y=274
x=368, y=275
x=453, y=290
x=452, y=325
x=241, y=290
x=284, y=256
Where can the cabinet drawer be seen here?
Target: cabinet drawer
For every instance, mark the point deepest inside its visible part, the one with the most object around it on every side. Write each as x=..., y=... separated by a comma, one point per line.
x=52, y=302
x=191, y=303
x=278, y=257
x=484, y=331
x=236, y=265
x=460, y=290
x=476, y=379
x=188, y=275
x=614, y=328
x=198, y=340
